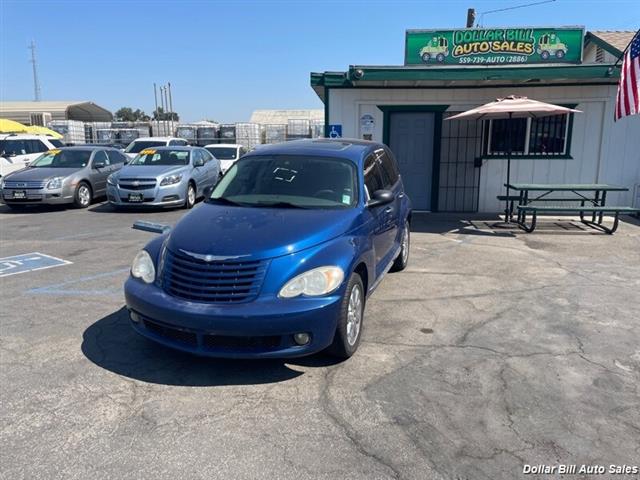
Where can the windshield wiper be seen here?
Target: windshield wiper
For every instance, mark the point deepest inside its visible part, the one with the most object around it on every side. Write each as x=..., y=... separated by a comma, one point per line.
x=224, y=201
x=277, y=205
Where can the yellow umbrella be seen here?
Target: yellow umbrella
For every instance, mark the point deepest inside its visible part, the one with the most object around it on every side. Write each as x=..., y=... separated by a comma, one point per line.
x=38, y=130
x=9, y=126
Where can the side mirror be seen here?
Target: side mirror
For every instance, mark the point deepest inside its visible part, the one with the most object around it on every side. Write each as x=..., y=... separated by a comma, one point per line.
x=98, y=165
x=380, y=197
x=207, y=191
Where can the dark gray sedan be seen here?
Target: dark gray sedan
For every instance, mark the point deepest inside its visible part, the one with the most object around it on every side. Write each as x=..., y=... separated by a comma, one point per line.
x=64, y=175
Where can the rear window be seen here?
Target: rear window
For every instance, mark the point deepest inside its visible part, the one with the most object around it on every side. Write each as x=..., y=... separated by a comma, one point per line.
x=224, y=153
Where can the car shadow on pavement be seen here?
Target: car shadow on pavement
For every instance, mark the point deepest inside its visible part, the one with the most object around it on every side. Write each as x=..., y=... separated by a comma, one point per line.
x=112, y=344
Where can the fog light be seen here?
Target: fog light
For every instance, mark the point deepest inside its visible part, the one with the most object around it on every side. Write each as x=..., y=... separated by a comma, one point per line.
x=134, y=316
x=302, y=338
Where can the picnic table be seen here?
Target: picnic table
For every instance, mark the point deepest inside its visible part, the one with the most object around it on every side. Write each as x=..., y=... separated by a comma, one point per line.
x=581, y=199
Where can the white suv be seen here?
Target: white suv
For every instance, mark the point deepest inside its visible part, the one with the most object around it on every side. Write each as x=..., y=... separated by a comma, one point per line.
x=227, y=153
x=17, y=150
x=139, y=144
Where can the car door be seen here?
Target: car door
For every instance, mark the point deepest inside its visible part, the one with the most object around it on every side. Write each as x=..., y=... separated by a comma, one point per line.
x=379, y=214
x=199, y=173
x=100, y=170
x=116, y=160
x=391, y=179
x=212, y=167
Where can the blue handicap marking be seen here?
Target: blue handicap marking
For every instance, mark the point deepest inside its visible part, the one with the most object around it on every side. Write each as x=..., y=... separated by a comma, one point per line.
x=28, y=262
x=335, y=131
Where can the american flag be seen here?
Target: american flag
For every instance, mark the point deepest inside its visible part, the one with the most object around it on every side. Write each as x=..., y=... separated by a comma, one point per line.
x=628, y=98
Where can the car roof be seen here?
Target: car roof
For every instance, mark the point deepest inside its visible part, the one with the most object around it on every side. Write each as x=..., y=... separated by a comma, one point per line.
x=352, y=149
x=186, y=148
x=157, y=139
x=25, y=136
x=224, y=145
x=86, y=147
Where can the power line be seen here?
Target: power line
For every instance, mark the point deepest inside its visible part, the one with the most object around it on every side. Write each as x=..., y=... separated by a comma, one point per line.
x=36, y=83
x=482, y=14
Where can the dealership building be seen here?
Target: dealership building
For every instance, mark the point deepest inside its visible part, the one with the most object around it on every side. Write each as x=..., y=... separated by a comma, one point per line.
x=460, y=166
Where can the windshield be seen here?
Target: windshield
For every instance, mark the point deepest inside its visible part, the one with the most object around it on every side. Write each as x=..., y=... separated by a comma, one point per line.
x=56, y=143
x=62, y=159
x=137, y=147
x=161, y=157
x=289, y=181
x=224, y=153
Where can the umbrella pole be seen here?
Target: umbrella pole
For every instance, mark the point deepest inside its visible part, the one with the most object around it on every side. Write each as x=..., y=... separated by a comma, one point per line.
x=507, y=216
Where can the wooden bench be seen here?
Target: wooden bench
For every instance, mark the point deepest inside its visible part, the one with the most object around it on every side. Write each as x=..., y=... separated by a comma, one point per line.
x=598, y=211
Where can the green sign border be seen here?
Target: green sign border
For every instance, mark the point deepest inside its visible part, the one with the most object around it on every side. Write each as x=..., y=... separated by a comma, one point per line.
x=536, y=30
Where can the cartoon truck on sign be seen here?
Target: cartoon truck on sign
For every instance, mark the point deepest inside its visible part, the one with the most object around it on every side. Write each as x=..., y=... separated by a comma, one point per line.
x=549, y=44
x=437, y=48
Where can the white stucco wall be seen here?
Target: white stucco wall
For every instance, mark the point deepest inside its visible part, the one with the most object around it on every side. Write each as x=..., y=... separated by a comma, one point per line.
x=602, y=151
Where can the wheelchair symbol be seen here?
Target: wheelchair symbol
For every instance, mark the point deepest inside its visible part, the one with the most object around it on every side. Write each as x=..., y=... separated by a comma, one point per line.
x=336, y=131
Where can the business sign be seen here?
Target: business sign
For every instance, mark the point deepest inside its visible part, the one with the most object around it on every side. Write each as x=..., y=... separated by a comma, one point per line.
x=493, y=46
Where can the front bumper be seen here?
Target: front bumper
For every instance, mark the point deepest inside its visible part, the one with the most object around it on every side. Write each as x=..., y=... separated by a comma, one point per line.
x=38, y=196
x=157, y=196
x=262, y=328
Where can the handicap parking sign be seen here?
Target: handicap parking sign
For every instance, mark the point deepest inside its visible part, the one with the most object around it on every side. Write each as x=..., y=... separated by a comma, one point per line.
x=335, y=131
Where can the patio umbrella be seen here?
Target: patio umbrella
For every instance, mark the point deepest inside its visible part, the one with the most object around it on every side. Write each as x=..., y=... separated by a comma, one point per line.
x=9, y=126
x=39, y=130
x=508, y=108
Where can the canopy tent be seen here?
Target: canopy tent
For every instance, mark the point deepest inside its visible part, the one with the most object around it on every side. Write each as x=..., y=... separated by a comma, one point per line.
x=9, y=126
x=508, y=108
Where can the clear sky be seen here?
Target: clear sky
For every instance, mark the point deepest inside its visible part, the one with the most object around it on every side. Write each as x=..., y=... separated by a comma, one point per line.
x=225, y=59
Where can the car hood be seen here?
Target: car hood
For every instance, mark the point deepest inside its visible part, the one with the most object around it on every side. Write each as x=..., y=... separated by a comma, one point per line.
x=42, y=173
x=143, y=171
x=256, y=233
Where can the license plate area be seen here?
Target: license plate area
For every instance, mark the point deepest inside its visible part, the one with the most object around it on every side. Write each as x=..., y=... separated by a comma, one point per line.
x=135, y=197
x=19, y=194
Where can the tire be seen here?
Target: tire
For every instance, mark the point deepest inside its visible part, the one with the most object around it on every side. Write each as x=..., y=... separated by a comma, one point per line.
x=440, y=57
x=426, y=57
x=544, y=55
x=83, y=196
x=346, y=340
x=560, y=54
x=402, y=260
x=190, y=196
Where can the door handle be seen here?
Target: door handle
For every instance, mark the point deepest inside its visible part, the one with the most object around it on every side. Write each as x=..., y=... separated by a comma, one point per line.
x=401, y=195
x=388, y=210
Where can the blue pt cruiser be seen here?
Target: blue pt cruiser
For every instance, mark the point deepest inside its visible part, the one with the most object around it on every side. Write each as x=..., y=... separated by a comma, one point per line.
x=280, y=258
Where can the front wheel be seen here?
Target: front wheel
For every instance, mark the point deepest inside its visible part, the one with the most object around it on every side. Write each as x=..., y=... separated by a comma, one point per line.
x=82, y=198
x=402, y=260
x=349, y=328
x=190, y=200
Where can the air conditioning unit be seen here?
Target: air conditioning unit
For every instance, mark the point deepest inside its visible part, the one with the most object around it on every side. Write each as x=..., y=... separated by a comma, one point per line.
x=40, y=118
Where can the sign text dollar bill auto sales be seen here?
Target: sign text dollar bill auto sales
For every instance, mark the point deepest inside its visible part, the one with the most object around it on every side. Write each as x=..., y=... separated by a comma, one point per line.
x=487, y=46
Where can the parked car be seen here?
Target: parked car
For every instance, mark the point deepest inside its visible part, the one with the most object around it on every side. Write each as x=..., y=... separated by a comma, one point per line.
x=139, y=144
x=63, y=175
x=227, y=153
x=17, y=150
x=164, y=176
x=281, y=257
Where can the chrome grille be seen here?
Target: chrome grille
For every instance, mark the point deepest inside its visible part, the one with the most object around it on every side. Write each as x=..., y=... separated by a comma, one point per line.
x=27, y=185
x=212, y=282
x=137, y=183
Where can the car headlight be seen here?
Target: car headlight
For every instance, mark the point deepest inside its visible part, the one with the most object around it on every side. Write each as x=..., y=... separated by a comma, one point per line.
x=143, y=268
x=319, y=281
x=55, y=183
x=170, y=180
x=111, y=180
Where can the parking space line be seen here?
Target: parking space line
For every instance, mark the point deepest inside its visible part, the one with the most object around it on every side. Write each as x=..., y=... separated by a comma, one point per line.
x=59, y=288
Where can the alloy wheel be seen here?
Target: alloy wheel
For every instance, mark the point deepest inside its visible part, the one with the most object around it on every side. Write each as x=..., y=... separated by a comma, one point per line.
x=354, y=315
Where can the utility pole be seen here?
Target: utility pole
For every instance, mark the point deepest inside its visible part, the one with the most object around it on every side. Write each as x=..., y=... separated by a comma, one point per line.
x=36, y=84
x=170, y=104
x=155, y=97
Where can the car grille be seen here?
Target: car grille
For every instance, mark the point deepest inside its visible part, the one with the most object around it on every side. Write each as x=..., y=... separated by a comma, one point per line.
x=177, y=335
x=212, y=282
x=17, y=185
x=141, y=183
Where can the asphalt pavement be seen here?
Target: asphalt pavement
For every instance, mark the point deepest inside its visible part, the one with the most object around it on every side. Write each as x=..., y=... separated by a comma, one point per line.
x=495, y=349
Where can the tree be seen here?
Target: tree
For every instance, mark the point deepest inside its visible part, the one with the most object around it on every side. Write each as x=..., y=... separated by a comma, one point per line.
x=127, y=114
x=160, y=114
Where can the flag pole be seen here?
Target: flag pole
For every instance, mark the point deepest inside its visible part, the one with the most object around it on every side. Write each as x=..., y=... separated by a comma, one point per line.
x=624, y=51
